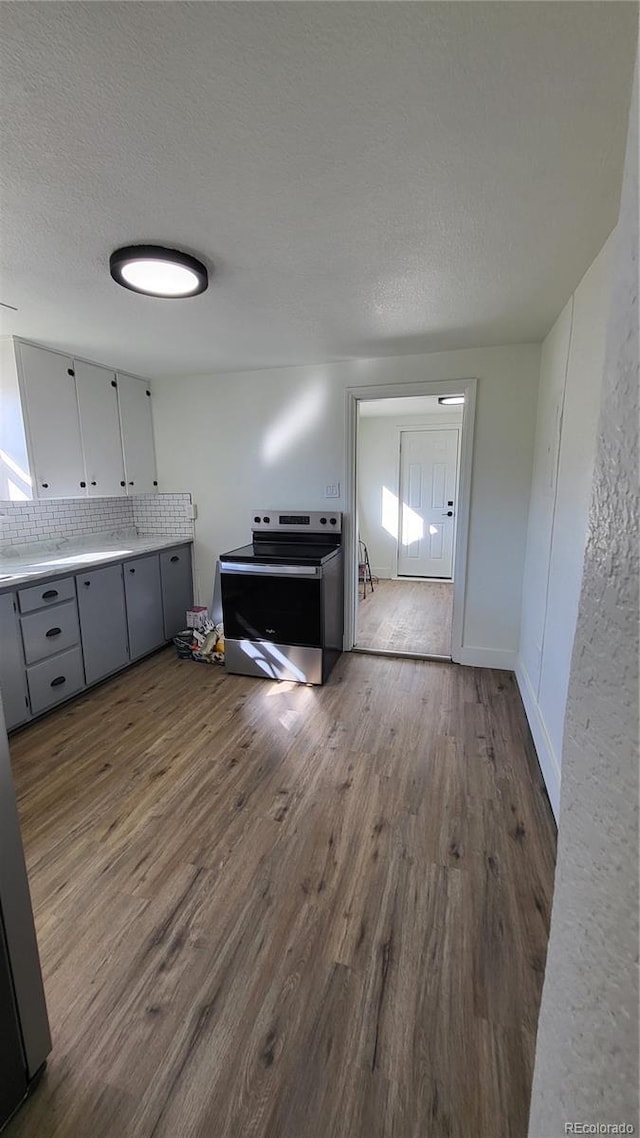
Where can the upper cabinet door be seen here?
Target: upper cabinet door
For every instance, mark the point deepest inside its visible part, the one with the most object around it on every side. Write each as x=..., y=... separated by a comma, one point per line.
x=134, y=397
x=53, y=426
x=100, y=429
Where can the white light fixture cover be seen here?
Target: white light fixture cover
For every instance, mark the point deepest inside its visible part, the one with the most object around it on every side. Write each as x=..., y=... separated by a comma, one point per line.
x=450, y=400
x=156, y=271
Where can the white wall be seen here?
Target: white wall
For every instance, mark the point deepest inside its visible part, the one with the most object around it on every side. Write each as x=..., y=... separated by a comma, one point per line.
x=277, y=438
x=570, y=381
x=378, y=467
x=586, y=1067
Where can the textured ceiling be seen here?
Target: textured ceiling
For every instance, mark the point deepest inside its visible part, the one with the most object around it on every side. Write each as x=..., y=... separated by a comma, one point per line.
x=367, y=178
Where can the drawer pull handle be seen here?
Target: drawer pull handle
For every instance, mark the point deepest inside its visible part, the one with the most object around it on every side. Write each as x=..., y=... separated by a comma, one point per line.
x=87, y=583
x=58, y=680
x=53, y=632
x=132, y=570
x=175, y=557
x=49, y=594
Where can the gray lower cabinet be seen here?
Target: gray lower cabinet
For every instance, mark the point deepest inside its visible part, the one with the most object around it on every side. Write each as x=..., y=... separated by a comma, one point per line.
x=103, y=621
x=46, y=595
x=143, y=593
x=49, y=631
x=13, y=681
x=55, y=679
x=105, y=617
x=177, y=588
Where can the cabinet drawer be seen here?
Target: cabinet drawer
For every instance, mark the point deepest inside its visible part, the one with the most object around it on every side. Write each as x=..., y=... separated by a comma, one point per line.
x=49, y=631
x=55, y=679
x=40, y=596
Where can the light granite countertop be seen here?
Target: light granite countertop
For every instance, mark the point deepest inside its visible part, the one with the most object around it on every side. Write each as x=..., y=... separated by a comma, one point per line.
x=25, y=564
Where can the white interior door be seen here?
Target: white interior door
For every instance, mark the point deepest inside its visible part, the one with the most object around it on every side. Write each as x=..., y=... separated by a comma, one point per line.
x=428, y=475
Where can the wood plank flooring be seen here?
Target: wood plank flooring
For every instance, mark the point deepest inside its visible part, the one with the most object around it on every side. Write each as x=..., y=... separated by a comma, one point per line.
x=407, y=616
x=274, y=911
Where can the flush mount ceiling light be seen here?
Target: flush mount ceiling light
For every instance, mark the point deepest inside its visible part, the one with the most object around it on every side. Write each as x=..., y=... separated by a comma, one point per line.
x=155, y=271
x=448, y=400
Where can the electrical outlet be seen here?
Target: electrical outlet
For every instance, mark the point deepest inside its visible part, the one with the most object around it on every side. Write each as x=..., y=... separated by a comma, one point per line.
x=332, y=490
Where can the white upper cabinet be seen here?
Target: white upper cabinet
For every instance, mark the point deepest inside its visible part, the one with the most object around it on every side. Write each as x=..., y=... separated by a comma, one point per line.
x=100, y=430
x=134, y=397
x=69, y=428
x=53, y=426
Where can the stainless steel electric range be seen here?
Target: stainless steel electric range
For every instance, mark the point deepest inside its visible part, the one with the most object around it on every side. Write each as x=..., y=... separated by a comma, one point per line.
x=283, y=599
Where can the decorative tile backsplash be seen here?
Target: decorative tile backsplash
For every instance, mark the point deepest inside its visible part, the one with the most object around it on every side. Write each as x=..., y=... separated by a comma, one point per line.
x=163, y=513
x=22, y=523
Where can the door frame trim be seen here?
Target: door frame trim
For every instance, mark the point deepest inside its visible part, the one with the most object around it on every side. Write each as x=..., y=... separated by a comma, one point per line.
x=353, y=396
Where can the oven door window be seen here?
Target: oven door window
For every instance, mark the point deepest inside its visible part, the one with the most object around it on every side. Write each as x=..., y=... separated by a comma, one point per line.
x=283, y=610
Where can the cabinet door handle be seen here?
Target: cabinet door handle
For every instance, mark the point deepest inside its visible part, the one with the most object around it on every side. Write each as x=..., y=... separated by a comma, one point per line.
x=132, y=570
x=70, y=371
x=87, y=583
x=131, y=483
x=83, y=484
x=49, y=594
x=58, y=680
x=45, y=485
x=53, y=632
x=94, y=483
x=155, y=482
x=123, y=484
x=175, y=557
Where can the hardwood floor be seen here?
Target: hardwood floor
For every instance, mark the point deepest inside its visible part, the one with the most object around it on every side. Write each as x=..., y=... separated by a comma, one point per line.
x=407, y=616
x=275, y=911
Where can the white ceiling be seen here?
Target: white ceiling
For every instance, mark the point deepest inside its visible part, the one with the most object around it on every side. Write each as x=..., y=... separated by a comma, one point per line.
x=367, y=178
x=407, y=405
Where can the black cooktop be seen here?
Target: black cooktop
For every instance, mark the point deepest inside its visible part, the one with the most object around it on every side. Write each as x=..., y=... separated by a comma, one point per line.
x=283, y=553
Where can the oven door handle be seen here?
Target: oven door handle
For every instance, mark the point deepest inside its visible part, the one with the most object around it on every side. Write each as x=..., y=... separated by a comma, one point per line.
x=270, y=570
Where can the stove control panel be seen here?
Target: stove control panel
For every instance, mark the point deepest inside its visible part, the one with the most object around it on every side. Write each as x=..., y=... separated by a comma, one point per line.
x=313, y=521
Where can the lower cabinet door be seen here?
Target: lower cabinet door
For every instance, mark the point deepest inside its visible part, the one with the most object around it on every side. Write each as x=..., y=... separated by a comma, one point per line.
x=103, y=621
x=177, y=589
x=144, y=605
x=55, y=679
x=13, y=681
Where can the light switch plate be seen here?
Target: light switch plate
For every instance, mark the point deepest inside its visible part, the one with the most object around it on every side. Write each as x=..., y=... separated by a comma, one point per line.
x=332, y=490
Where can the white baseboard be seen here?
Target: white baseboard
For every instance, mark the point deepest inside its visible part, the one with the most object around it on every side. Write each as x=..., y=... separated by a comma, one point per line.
x=547, y=758
x=486, y=658
x=383, y=572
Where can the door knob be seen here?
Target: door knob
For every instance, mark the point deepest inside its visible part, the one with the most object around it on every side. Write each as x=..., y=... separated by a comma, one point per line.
x=449, y=514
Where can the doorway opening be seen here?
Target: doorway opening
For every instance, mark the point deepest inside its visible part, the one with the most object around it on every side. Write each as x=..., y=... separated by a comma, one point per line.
x=411, y=459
